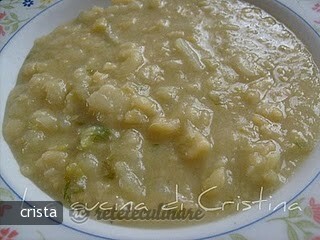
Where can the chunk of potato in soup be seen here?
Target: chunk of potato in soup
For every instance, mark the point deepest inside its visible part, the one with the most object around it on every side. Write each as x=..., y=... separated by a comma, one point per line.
x=137, y=100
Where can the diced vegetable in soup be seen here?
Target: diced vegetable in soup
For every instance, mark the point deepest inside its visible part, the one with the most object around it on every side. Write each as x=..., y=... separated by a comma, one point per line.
x=152, y=101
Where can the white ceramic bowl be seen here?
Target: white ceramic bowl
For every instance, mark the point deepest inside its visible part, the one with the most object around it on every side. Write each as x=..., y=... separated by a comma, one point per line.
x=11, y=59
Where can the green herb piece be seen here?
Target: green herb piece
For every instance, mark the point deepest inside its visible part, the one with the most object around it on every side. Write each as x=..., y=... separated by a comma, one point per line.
x=107, y=170
x=76, y=181
x=91, y=72
x=92, y=134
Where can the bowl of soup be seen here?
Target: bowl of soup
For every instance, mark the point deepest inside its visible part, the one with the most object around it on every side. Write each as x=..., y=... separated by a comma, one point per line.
x=162, y=118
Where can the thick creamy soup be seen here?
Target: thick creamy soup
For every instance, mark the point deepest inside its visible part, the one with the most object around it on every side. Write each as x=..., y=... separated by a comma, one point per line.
x=155, y=101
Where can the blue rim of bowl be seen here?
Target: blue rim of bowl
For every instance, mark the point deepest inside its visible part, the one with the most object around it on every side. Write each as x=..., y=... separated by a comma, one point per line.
x=203, y=238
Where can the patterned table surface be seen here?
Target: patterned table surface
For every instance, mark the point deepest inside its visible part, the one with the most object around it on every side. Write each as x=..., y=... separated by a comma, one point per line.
x=293, y=225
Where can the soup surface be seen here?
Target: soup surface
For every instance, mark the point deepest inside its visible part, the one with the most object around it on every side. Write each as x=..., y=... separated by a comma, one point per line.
x=152, y=101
